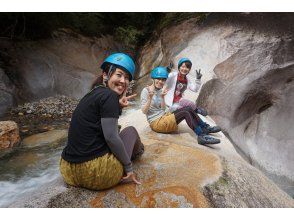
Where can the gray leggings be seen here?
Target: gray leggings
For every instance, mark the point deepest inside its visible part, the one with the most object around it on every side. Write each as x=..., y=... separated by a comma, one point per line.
x=132, y=142
x=189, y=115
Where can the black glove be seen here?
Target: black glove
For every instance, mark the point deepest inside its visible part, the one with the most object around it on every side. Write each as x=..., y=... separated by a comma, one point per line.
x=198, y=74
x=169, y=67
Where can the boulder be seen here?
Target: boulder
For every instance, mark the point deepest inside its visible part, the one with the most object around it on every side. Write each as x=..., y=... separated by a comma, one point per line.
x=251, y=99
x=243, y=186
x=9, y=134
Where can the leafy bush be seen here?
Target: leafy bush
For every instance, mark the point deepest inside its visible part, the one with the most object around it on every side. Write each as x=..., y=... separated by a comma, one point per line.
x=129, y=36
x=130, y=28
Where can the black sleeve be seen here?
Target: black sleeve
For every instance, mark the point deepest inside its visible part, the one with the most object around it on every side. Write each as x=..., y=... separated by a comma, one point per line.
x=109, y=105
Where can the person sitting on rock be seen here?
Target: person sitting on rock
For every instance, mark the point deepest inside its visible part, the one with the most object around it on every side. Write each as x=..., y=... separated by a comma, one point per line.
x=96, y=155
x=162, y=121
x=177, y=83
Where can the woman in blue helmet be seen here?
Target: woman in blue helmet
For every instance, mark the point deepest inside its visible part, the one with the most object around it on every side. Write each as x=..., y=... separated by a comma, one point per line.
x=153, y=105
x=177, y=83
x=97, y=156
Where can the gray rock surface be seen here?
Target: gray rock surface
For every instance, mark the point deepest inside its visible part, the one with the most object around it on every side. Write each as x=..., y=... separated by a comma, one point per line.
x=242, y=186
x=247, y=65
x=251, y=99
x=63, y=65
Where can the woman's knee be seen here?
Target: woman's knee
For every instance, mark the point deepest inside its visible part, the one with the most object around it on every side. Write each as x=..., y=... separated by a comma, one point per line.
x=185, y=109
x=129, y=132
x=188, y=108
x=129, y=129
x=186, y=102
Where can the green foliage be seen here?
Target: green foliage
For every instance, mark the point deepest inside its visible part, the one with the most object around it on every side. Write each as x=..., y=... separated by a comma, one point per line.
x=90, y=24
x=41, y=25
x=129, y=36
x=130, y=28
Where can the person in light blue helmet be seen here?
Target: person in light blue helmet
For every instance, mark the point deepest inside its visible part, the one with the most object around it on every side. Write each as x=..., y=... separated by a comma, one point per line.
x=97, y=156
x=177, y=83
x=121, y=60
x=162, y=121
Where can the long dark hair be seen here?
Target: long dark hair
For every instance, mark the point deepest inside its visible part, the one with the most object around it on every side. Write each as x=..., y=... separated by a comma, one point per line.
x=99, y=79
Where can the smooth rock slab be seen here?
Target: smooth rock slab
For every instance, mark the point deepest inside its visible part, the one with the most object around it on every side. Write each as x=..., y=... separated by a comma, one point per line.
x=50, y=138
x=171, y=176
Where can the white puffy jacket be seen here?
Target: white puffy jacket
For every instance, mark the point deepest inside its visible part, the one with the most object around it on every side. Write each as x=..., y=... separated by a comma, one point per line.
x=171, y=86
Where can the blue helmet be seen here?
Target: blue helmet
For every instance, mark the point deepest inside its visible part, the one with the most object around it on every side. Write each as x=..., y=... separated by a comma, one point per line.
x=181, y=61
x=121, y=60
x=159, y=73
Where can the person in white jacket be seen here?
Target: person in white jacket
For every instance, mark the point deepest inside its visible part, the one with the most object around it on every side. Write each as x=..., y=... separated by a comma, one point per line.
x=176, y=85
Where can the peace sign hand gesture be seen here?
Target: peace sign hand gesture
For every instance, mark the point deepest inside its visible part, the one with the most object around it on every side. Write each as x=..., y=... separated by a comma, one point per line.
x=198, y=74
x=124, y=100
x=164, y=92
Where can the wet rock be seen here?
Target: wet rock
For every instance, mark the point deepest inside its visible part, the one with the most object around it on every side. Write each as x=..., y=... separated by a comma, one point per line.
x=40, y=197
x=9, y=134
x=51, y=138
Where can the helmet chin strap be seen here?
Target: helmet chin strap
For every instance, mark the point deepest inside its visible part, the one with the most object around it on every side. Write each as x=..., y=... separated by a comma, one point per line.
x=111, y=68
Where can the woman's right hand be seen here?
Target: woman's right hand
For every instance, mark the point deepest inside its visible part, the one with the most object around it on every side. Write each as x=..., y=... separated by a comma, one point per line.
x=124, y=100
x=150, y=91
x=130, y=177
x=164, y=92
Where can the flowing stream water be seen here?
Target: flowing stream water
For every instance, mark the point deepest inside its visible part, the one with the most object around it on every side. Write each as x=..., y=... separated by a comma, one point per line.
x=25, y=170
